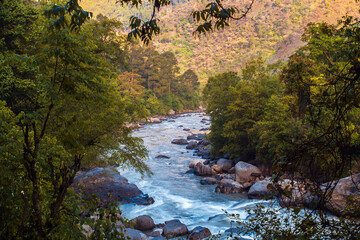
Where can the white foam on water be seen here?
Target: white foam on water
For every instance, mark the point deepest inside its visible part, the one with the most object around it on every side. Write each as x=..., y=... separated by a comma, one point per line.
x=178, y=195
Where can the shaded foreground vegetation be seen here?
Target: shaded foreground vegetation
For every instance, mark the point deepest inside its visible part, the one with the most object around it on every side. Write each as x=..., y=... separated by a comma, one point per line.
x=65, y=97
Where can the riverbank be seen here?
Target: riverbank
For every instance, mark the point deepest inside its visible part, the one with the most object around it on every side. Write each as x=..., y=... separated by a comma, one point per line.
x=179, y=194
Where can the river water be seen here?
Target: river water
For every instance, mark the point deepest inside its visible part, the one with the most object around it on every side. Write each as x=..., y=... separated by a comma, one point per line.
x=179, y=195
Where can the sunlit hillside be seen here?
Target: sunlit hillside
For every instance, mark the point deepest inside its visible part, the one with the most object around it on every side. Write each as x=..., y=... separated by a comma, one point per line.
x=273, y=30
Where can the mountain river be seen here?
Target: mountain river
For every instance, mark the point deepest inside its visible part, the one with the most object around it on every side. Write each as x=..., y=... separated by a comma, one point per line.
x=177, y=194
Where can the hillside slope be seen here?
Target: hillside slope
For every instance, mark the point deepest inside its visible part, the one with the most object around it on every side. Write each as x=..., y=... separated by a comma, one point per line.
x=272, y=29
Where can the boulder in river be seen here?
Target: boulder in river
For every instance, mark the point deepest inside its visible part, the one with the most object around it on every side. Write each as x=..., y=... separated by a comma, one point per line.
x=162, y=156
x=154, y=120
x=174, y=228
x=186, y=129
x=197, y=136
x=203, y=170
x=225, y=164
x=208, y=181
x=199, y=233
x=227, y=186
x=260, y=190
x=244, y=170
x=347, y=190
x=204, y=153
x=192, y=144
x=143, y=223
x=134, y=234
x=105, y=181
x=194, y=162
x=217, y=168
x=157, y=232
x=179, y=141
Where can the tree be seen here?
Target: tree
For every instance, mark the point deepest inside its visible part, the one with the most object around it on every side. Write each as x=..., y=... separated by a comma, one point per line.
x=129, y=84
x=66, y=114
x=327, y=147
x=190, y=79
x=215, y=16
x=218, y=94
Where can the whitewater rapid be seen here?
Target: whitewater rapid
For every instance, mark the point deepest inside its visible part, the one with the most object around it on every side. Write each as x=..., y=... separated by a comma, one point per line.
x=177, y=194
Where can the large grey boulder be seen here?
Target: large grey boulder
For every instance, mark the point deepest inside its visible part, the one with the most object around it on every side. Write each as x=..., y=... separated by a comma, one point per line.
x=260, y=190
x=199, y=233
x=143, y=223
x=225, y=164
x=244, y=170
x=346, y=190
x=203, y=170
x=134, y=234
x=109, y=186
x=174, y=228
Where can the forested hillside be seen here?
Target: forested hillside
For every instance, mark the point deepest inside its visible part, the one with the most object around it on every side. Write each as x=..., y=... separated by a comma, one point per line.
x=301, y=121
x=272, y=30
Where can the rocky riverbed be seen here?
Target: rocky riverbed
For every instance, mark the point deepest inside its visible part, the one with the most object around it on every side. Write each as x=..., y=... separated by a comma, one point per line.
x=189, y=191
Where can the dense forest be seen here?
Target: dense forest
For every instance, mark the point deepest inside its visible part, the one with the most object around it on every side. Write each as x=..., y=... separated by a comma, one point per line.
x=299, y=119
x=65, y=98
x=272, y=30
x=68, y=90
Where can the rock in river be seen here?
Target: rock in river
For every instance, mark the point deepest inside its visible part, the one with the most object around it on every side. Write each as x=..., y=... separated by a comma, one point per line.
x=199, y=233
x=154, y=120
x=203, y=170
x=192, y=144
x=244, y=170
x=143, y=223
x=346, y=189
x=229, y=186
x=194, y=162
x=174, y=228
x=225, y=164
x=134, y=234
x=208, y=181
x=180, y=141
x=198, y=136
x=162, y=156
x=260, y=190
x=105, y=181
